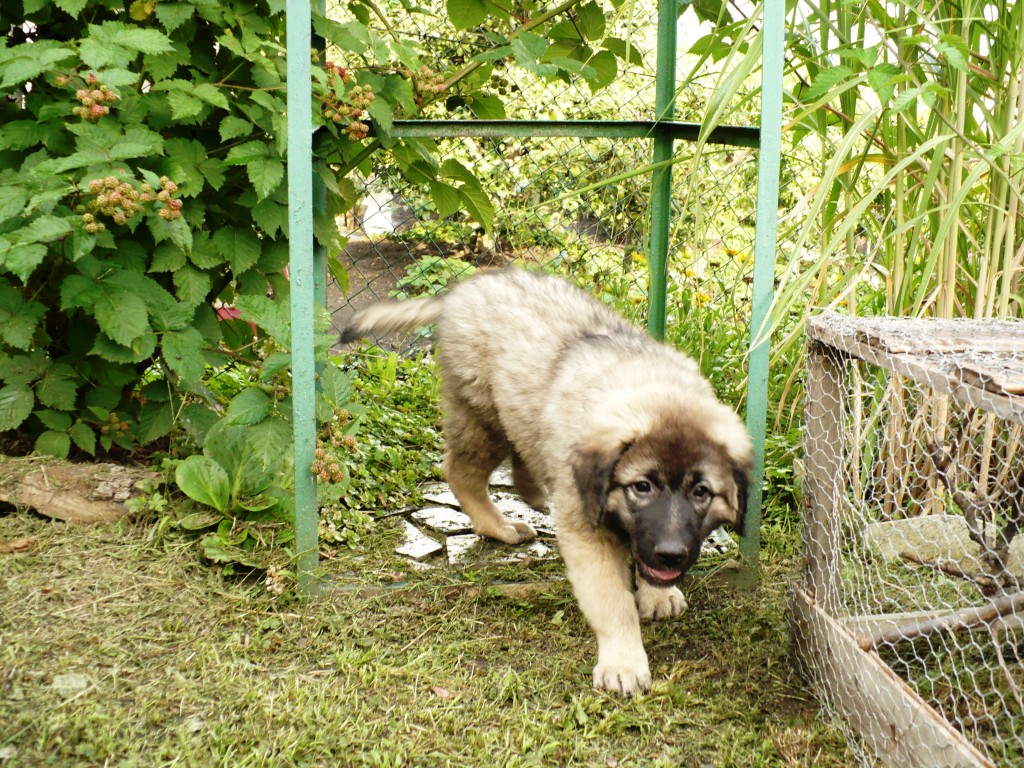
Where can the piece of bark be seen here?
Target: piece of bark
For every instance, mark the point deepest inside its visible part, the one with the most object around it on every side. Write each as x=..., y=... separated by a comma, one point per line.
x=83, y=493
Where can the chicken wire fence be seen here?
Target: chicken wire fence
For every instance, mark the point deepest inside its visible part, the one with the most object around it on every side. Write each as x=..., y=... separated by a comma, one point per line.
x=572, y=204
x=910, y=614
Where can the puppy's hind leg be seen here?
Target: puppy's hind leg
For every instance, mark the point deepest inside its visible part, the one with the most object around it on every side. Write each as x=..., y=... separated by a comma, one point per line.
x=472, y=452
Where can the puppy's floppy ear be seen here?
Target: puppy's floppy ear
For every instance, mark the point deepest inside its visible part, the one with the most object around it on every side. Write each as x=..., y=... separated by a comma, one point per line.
x=593, y=466
x=740, y=476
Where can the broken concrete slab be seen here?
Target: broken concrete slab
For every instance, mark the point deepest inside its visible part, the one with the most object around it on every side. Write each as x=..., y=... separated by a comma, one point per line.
x=460, y=547
x=443, y=519
x=535, y=550
x=417, y=544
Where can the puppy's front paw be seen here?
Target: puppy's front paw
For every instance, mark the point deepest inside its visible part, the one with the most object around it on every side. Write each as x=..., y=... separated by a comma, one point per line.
x=659, y=602
x=625, y=678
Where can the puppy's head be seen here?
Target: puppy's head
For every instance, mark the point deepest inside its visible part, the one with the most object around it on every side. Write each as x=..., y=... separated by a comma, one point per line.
x=665, y=484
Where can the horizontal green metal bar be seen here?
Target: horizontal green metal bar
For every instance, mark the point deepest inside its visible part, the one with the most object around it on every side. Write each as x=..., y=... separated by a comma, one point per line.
x=740, y=136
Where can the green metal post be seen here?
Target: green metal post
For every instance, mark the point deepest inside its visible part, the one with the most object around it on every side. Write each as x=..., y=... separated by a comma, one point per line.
x=319, y=202
x=772, y=41
x=303, y=288
x=661, y=178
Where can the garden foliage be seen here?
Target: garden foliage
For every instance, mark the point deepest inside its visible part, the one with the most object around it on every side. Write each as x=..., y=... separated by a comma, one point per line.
x=142, y=186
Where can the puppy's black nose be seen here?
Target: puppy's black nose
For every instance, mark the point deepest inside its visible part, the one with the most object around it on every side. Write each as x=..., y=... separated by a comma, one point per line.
x=671, y=553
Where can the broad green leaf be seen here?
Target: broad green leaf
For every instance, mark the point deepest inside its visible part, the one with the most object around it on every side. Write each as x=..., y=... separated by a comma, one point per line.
x=55, y=420
x=184, y=106
x=232, y=127
x=528, y=49
x=275, y=364
x=21, y=260
x=191, y=285
x=140, y=349
x=335, y=385
x=826, y=80
x=183, y=353
x=44, y=229
x=246, y=153
x=58, y=388
x=606, y=68
x=488, y=107
x=216, y=550
x=340, y=274
x=122, y=316
x=18, y=321
x=53, y=443
x=478, y=204
x=240, y=247
x=16, y=401
x=155, y=421
x=349, y=36
x=266, y=174
x=200, y=521
x=173, y=15
x=12, y=201
x=272, y=316
x=590, y=21
x=271, y=216
x=204, y=480
x=83, y=437
x=29, y=60
x=211, y=94
x=466, y=13
x=446, y=198
x=250, y=406
x=623, y=50
x=955, y=49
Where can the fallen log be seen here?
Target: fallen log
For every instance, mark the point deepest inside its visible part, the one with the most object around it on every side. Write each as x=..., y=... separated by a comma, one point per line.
x=83, y=493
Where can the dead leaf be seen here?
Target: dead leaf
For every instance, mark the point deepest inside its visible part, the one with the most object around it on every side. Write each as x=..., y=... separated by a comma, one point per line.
x=441, y=693
x=16, y=545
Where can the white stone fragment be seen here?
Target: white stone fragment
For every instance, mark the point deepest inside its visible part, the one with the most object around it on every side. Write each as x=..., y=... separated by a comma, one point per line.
x=720, y=543
x=502, y=477
x=66, y=685
x=459, y=547
x=417, y=545
x=536, y=550
x=518, y=510
x=440, y=494
x=443, y=519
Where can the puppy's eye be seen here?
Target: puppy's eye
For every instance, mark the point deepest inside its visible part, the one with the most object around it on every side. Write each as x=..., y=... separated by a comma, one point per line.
x=643, y=489
x=701, y=492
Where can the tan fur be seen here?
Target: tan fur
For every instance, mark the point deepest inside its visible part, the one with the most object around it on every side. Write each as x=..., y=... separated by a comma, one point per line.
x=585, y=405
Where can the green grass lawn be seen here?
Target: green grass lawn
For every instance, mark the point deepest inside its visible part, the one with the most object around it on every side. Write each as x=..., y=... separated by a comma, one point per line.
x=173, y=663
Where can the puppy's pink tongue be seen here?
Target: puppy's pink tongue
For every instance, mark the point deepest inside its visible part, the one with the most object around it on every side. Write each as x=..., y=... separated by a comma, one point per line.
x=662, y=575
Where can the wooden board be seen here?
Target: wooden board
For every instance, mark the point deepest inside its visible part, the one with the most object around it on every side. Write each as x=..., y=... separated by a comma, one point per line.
x=893, y=721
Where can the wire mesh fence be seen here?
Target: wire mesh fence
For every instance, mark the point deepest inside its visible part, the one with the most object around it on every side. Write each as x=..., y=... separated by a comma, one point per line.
x=579, y=206
x=910, y=616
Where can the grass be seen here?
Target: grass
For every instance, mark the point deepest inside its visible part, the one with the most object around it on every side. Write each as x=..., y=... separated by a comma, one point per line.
x=179, y=664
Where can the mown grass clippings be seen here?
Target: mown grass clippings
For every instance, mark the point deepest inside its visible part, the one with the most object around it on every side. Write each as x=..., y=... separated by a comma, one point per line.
x=186, y=667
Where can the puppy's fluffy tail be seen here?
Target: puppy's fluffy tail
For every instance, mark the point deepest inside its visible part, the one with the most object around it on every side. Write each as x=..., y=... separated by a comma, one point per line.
x=392, y=317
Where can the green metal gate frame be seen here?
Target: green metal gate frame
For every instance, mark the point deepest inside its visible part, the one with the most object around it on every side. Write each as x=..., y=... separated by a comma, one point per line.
x=307, y=260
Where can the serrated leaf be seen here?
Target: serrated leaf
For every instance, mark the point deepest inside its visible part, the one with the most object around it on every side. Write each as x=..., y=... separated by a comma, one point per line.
x=250, y=406
x=528, y=49
x=12, y=201
x=349, y=36
x=204, y=480
x=16, y=401
x=211, y=94
x=275, y=364
x=155, y=421
x=590, y=21
x=57, y=388
x=213, y=171
x=335, y=385
x=191, y=286
x=122, y=316
x=183, y=353
x=955, y=49
x=606, y=69
x=141, y=349
x=271, y=216
x=477, y=204
x=44, y=229
x=240, y=247
x=488, y=107
x=55, y=420
x=83, y=437
x=22, y=260
x=825, y=81
x=266, y=175
x=246, y=153
x=116, y=44
x=624, y=50
x=466, y=13
x=173, y=15
x=446, y=198
x=340, y=274
x=272, y=316
x=232, y=127
x=29, y=60
x=183, y=105
x=18, y=321
x=53, y=443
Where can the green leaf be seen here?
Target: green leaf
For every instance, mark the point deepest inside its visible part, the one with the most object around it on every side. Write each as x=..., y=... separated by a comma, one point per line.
x=244, y=154
x=16, y=401
x=21, y=260
x=183, y=353
x=335, y=385
x=478, y=204
x=606, y=68
x=140, y=349
x=18, y=321
x=623, y=50
x=58, y=388
x=271, y=216
x=191, y=285
x=55, y=420
x=528, y=49
x=488, y=107
x=44, y=229
x=251, y=455
x=204, y=480
x=275, y=364
x=173, y=15
x=266, y=174
x=232, y=127
x=826, y=80
x=955, y=49
x=340, y=274
x=29, y=60
x=240, y=247
x=272, y=316
x=12, y=201
x=466, y=13
x=590, y=21
x=122, y=316
x=446, y=198
x=83, y=437
x=71, y=7
x=52, y=443
x=155, y=421
x=200, y=521
x=184, y=106
x=250, y=406
x=211, y=94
